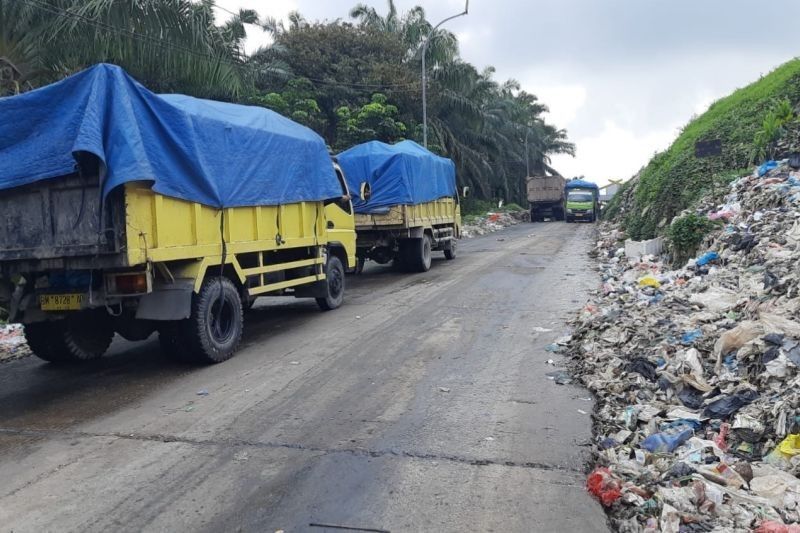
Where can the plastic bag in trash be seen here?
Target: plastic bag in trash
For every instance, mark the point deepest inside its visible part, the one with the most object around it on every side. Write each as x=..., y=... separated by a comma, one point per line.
x=690, y=336
x=649, y=281
x=766, y=167
x=772, y=526
x=642, y=366
x=783, y=452
x=604, y=486
x=706, y=258
x=665, y=442
x=728, y=405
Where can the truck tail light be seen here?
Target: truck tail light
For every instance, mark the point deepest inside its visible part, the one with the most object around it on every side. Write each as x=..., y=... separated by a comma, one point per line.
x=133, y=283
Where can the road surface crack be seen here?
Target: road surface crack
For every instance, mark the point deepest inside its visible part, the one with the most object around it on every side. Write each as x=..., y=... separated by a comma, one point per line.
x=358, y=452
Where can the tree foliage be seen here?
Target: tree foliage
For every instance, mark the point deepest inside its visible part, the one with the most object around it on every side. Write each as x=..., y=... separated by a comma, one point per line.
x=350, y=80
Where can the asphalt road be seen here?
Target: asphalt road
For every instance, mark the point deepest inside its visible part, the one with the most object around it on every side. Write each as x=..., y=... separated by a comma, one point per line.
x=421, y=405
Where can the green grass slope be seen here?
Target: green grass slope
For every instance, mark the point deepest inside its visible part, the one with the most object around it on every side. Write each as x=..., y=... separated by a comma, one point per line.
x=673, y=180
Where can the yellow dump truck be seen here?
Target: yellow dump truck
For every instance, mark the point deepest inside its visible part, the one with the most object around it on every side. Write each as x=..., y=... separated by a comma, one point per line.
x=94, y=252
x=412, y=208
x=408, y=234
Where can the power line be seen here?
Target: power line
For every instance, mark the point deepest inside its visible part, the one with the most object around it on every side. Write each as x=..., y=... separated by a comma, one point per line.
x=163, y=43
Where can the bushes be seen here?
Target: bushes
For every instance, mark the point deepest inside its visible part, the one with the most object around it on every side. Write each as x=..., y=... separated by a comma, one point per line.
x=686, y=233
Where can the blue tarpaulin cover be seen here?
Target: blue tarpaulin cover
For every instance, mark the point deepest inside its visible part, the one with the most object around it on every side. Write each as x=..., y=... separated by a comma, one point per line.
x=581, y=184
x=398, y=174
x=214, y=153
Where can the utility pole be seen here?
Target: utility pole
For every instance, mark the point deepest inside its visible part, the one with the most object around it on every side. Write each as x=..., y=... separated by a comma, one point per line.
x=527, y=158
x=428, y=38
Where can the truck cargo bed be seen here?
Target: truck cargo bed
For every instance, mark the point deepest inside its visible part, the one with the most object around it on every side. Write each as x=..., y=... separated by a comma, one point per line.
x=408, y=216
x=58, y=219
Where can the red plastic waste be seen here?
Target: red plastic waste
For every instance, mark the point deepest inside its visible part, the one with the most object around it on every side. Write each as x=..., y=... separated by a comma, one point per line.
x=605, y=487
x=771, y=526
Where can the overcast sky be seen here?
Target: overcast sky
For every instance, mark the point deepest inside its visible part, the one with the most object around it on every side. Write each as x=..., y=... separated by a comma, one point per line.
x=622, y=76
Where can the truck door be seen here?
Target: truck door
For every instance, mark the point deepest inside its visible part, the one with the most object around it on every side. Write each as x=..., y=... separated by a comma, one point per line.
x=340, y=220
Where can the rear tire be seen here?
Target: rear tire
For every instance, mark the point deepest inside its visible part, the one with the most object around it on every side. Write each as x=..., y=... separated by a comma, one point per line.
x=450, y=249
x=44, y=340
x=334, y=285
x=82, y=336
x=172, y=344
x=213, y=331
x=418, y=258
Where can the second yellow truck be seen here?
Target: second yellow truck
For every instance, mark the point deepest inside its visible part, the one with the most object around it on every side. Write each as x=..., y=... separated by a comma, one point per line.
x=412, y=208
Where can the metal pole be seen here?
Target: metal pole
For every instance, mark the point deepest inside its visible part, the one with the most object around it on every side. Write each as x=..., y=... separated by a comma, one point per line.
x=527, y=158
x=428, y=38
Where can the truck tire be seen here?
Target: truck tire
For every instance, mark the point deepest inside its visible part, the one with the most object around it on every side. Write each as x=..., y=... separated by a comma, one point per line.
x=213, y=331
x=80, y=337
x=418, y=256
x=44, y=340
x=533, y=214
x=173, y=346
x=334, y=285
x=450, y=249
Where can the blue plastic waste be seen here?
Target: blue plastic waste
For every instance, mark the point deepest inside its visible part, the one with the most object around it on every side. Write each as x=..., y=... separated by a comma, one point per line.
x=766, y=167
x=690, y=336
x=706, y=258
x=666, y=442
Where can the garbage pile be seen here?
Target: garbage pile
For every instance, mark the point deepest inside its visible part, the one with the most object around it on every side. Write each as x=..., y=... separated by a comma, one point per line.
x=12, y=343
x=696, y=371
x=491, y=222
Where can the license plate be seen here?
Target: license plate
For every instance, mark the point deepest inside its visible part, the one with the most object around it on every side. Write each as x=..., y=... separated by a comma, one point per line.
x=60, y=302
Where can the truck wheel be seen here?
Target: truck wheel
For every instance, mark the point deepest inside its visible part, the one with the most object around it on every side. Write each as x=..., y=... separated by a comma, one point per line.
x=213, y=331
x=533, y=215
x=172, y=344
x=419, y=254
x=334, y=284
x=88, y=335
x=80, y=337
x=450, y=249
x=44, y=340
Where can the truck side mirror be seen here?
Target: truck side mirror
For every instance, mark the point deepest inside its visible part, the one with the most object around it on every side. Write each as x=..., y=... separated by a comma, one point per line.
x=364, y=191
x=464, y=192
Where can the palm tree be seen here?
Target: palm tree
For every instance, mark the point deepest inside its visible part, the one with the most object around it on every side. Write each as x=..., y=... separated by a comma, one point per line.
x=413, y=28
x=168, y=44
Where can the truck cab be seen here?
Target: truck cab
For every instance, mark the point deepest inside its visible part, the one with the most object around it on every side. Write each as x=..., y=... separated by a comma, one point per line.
x=581, y=201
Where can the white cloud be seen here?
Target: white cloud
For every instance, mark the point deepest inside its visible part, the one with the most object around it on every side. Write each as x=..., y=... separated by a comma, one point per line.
x=564, y=102
x=256, y=37
x=615, y=153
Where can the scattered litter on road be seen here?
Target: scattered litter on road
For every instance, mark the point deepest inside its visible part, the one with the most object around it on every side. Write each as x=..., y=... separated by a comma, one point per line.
x=202, y=392
x=491, y=222
x=294, y=362
x=12, y=343
x=444, y=389
x=696, y=370
x=561, y=377
x=540, y=329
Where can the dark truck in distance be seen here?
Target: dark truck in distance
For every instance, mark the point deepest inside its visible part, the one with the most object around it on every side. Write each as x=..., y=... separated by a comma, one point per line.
x=546, y=197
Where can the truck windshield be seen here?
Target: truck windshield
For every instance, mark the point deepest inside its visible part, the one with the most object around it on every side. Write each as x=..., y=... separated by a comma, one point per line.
x=579, y=196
